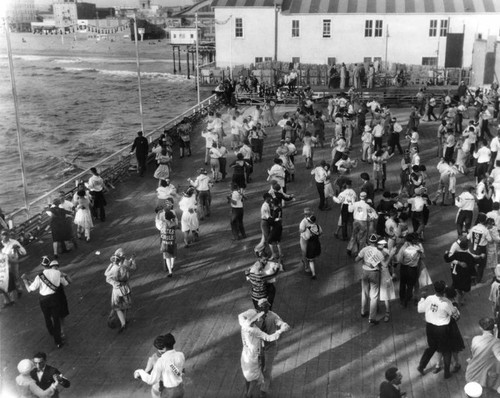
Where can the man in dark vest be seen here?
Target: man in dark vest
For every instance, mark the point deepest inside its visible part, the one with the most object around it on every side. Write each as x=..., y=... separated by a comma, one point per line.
x=141, y=147
x=44, y=375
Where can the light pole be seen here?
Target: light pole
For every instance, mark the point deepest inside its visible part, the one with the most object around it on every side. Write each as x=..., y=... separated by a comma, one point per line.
x=197, y=60
x=18, y=124
x=138, y=73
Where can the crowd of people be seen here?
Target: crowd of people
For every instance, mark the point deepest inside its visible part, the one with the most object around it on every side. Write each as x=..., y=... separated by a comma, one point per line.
x=383, y=224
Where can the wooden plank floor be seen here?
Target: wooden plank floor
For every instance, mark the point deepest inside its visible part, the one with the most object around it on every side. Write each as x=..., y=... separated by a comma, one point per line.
x=330, y=351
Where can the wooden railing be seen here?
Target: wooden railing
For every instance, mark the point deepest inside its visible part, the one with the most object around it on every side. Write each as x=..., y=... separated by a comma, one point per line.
x=116, y=168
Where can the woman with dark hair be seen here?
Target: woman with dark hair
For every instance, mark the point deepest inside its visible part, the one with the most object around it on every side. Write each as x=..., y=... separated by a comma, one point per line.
x=276, y=230
x=313, y=248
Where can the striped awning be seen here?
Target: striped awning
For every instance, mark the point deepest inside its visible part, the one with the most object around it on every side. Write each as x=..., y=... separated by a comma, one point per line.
x=245, y=3
x=370, y=6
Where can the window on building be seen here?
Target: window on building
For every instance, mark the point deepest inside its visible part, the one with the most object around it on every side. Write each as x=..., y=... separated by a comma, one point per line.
x=267, y=59
x=258, y=60
x=433, y=28
x=429, y=61
x=444, y=28
x=295, y=60
x=368, y=28
x=378, y=28
x=295, y=28
x=327, y=28
x=238, y=27
x=379, y=59
x=367, y=60
x=331, y=61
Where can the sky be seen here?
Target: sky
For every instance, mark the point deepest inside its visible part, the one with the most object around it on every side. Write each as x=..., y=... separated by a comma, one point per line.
x=112, y=3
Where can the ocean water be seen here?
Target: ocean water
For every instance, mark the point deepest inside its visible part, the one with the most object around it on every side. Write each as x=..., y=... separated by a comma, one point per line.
x=76, y=110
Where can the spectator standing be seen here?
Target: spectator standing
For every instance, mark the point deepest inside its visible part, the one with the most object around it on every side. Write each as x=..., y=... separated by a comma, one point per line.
x=141, y=148
x=96, y=188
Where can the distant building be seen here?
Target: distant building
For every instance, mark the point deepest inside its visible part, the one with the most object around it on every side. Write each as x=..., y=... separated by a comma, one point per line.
x=20, y=14
x=65, y=14
x=182, y=36
x=486, y=61
x=85, y=10
x=418, y=32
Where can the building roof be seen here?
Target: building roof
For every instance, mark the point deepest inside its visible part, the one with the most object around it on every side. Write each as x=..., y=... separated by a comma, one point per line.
x=370, y=6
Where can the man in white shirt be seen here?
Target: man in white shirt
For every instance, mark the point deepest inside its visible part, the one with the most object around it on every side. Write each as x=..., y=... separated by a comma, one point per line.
x=210, y=137
x=203, y=183
x=465, y=203
x=371, y=257
x=438, y=312
x=483, y=156
x=359, y=212
x=265, y=225
x=320, y=174
x=378, y=134
x=495, y=150
x=445, y=172
x=168, y=370
x=479, y=236
x=345, y=198
x=47, y=283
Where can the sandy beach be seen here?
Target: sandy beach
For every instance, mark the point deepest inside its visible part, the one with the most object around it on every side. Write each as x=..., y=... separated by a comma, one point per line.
x=115, y=46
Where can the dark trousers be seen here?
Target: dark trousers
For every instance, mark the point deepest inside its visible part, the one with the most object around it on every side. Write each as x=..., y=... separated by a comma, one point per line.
x=464, y=218
x=394, y=143
x=378, y=143
x=50, y=309
x=430, y=113
x=271, y=293
x=222, y=167
x=435, y=336
x=237, y=222
x=141, y=163
x=98, y=206
x=480, y=262
x=321, y=191
x=347, y=220
x=409, y=277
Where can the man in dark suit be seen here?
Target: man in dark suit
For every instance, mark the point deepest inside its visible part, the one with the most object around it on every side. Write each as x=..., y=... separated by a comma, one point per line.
x=44, y=375
x=389, y=388
x=141, y=147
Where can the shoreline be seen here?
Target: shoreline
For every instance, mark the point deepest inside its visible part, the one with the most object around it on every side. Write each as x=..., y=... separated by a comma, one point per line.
x=66, y=46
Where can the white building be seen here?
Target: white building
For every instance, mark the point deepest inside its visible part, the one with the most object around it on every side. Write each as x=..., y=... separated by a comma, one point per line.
x=65, y=14
x=418, y=32
x=20, y=14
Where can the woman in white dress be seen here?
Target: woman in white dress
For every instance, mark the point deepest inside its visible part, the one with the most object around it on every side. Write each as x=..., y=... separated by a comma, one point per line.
x=307, y=150
x=162, y=172
x=252, y=338
x=83, y=216
x=26, y=385
x=387, y=291
x=189, y=220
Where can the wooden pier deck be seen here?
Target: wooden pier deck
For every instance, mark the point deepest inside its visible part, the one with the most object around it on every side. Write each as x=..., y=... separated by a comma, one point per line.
x=330, y=351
